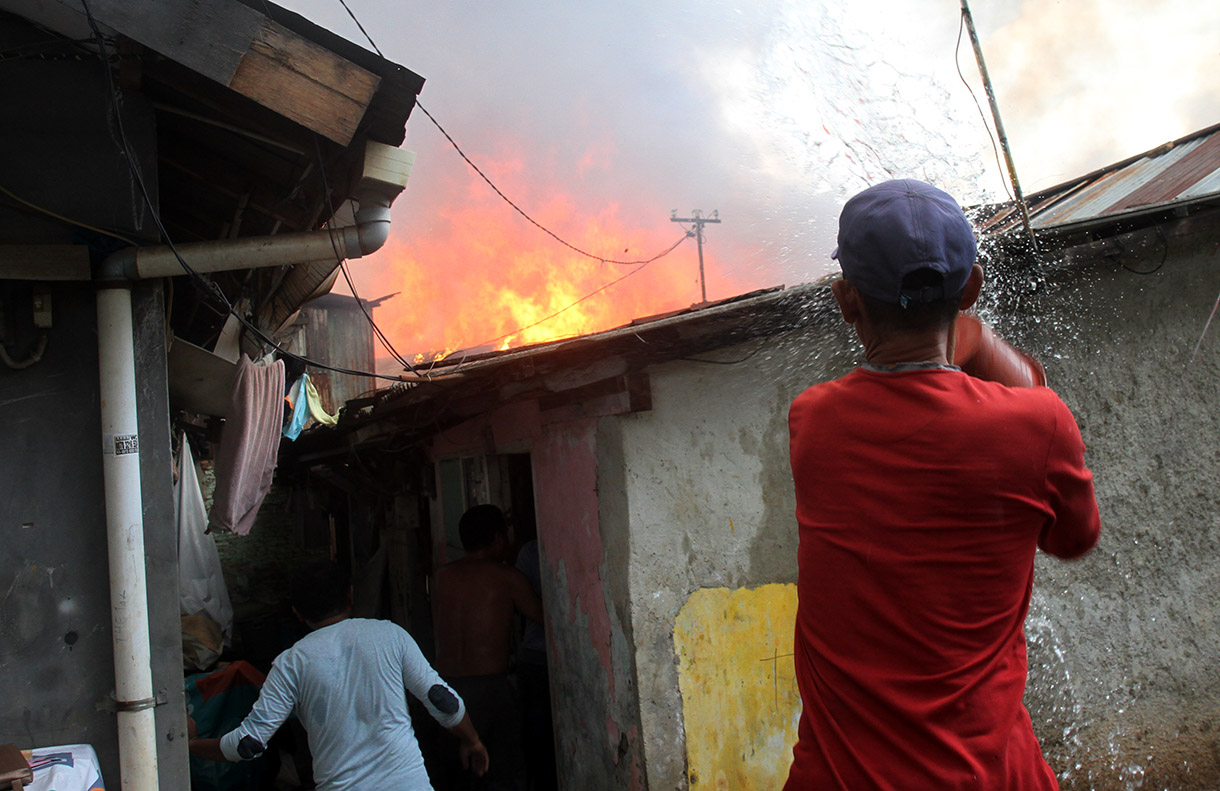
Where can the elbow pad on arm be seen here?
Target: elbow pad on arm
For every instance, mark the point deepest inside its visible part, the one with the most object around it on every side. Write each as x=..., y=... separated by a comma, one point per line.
x=445, y=705
x=244, y=749
x=249, y=747
x=443, y=699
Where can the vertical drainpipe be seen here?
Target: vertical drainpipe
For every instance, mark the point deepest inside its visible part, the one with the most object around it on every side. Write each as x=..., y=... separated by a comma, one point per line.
x=133, y=687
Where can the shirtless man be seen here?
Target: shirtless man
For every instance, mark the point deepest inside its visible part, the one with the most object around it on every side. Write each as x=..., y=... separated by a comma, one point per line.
x=473, y=602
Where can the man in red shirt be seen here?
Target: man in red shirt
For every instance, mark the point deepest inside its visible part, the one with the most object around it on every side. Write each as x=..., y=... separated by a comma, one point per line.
x=921, y=494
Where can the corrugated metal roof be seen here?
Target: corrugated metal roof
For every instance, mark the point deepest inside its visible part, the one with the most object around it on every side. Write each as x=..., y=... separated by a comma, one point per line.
x=1185, y=171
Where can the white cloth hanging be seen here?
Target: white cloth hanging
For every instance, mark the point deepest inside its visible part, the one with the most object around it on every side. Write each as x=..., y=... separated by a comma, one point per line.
x=245, y=462
x=201, y=582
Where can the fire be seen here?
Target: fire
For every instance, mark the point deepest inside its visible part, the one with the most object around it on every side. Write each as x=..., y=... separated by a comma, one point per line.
x=472, y=272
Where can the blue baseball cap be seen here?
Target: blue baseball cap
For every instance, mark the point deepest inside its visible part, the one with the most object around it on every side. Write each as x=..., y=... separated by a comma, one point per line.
x=897, y=227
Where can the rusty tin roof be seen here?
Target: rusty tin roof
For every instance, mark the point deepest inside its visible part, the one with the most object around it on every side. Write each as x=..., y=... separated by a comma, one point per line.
x=1173, y=177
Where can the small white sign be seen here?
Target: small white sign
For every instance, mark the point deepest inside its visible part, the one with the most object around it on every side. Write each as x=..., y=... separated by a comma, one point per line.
x=122, y=444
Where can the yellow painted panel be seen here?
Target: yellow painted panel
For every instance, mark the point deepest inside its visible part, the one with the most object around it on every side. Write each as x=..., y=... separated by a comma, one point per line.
x=740, y=704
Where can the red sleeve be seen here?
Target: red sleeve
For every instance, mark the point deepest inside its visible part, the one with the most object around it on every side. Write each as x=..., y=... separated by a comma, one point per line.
x=1075, y=524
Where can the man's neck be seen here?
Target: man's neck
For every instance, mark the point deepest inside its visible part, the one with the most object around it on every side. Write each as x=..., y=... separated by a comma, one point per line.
x=932, y=346
x=898, y=353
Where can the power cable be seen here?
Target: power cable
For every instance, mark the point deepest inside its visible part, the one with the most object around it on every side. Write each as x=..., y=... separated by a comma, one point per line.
x=372, y=43
x=522, y=212
x=62, y=218
x=639, y=264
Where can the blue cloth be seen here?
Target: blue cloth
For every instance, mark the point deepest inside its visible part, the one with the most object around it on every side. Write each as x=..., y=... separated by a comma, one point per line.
x=348, y=682
x=300, y=408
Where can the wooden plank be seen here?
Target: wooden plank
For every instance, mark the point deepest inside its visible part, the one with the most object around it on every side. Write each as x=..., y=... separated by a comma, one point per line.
x=44, y=262
x=305, y=82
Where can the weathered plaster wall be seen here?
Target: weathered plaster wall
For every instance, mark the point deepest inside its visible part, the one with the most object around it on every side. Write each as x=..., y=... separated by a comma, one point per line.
x=709, y=500
x=1123, y=644
x=584, y=590
x=55, y=646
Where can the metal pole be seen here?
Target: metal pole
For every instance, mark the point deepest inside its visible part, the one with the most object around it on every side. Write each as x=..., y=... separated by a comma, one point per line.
x=999, y=125
x=699, y=244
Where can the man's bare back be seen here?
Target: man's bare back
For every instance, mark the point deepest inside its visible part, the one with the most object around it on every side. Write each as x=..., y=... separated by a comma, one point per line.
x=473, y=600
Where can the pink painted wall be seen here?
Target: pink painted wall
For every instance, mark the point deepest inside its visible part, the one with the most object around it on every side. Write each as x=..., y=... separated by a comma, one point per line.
x=565, y=486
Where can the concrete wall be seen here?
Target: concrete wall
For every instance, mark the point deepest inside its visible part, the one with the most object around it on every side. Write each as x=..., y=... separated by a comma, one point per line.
x=710, y=505
x=55, y=646
x=1122, y=643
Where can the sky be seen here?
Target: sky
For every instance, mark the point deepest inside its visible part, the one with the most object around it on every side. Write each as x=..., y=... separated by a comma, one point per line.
x=600, y=119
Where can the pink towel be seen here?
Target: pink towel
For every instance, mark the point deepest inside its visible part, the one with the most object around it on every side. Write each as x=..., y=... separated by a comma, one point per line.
x=245, y=463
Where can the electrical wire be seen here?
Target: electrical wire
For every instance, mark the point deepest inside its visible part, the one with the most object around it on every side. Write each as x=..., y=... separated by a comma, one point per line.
x=372, y=43
x=62, y=218
x=738, y=361
x=1164, y=256
x=207, y=287
x=1203, y=334
x=523, y=213
x=210, y=288
x=957, y=61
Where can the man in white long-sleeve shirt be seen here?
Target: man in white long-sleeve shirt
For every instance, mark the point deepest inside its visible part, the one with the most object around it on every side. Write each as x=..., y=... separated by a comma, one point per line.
x=347, y=681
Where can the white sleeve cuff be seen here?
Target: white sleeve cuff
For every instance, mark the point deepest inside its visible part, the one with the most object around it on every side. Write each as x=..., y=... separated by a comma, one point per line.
x=228, y=745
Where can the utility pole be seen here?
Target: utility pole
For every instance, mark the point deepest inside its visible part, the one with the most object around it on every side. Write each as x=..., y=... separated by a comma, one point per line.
x=696, y=217
x=999, y=125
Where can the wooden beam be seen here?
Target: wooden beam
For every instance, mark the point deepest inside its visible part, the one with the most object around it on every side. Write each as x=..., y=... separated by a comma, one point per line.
x=250, y=54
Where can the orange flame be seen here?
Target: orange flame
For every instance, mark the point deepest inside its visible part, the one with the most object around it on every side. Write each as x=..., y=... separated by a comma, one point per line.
x=482, y=275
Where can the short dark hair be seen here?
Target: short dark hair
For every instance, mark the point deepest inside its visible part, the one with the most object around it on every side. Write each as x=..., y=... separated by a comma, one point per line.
x=915, y=316
x=480, y=525
x=319, y=590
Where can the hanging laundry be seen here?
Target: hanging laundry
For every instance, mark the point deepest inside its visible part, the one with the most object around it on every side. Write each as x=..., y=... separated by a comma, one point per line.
x=300, y=408
x=245, y=462
x=201, y=581
x=315, y=406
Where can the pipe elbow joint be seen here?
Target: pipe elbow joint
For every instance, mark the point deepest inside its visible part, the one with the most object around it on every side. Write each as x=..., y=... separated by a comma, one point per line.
x=372, y=228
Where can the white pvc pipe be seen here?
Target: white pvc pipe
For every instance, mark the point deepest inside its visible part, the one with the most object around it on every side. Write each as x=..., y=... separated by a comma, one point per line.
x=133, y=687
x=352, y=241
